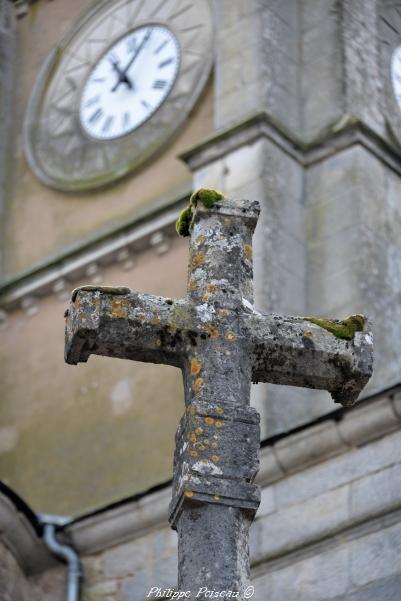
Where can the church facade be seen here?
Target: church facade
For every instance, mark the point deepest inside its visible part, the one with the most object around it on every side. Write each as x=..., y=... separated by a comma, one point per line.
x=296, y=104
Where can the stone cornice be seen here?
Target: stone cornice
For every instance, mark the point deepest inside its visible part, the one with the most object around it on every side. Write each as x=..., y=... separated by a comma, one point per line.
x=344, y=133
x=137, y=235
x=338, y=433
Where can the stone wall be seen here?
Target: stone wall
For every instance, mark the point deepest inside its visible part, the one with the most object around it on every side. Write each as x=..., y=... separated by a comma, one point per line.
x=328, y=527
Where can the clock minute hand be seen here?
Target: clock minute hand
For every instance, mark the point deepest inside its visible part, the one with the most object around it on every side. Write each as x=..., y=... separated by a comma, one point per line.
x=137, y=51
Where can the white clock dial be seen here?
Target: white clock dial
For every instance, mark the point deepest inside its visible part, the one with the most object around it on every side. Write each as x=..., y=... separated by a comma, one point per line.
x=129, y=82
x=396, y=74
x=116, y=89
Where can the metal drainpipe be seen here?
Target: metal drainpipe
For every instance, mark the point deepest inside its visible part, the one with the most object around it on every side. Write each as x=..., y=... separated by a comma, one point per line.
x=65, y=552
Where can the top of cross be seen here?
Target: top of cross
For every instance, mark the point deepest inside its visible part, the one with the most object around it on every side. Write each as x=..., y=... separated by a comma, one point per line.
x=216, y=326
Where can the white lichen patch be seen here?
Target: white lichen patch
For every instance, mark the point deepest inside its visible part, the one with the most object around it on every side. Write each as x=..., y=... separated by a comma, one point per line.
x=207, y=467
x=247, y=305
x=205, y=312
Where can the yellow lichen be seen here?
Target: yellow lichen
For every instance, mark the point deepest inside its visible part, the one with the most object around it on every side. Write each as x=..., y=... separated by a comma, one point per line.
x=219, y=424
x=214, y=445
x=219, y=410
x=158, y=342
x=118, y=311
x=188, y=493
x=197, y=385
x=248, y=250
x=192, y=438
x=211, y=288
x=200, y=239
x=215, y=458
x=197, y=260
x=209, y=421
x=195, y=367
x=213, y=333
x=206, y=441
x=216, y=497
x=194, y=454
x=199, y=431
x=231, y=336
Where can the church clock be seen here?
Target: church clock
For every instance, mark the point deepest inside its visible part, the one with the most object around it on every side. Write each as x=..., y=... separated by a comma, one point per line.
x=116, y=89
x=390, y=39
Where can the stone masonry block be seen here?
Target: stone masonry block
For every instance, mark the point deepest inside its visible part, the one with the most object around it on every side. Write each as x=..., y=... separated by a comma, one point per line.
x=376, y=555
x=309, y=446
x=339, y=470
x=297, y=525
x=309, y=579
x=368, y=423
x=377, y=493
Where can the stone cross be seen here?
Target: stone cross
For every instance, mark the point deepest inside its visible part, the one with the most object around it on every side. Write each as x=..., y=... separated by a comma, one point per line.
x=221, y=344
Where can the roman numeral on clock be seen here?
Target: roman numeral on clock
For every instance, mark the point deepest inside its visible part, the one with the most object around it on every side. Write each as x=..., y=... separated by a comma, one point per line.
x=107, y=124
x=165, y=63
x=95, y=116
x=159, y=84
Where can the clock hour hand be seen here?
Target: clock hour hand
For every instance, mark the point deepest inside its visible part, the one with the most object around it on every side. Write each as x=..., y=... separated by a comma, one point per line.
x=122, y=76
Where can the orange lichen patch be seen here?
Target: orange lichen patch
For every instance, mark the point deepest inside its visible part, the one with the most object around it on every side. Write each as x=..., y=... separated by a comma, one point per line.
x=216, y=497
x=200, y=239
x=192, y=438
x=197, y=260
x=142, y=317
x=214, y=445
x=158, y=342
x=215, y=458
x=212, y=288
x=197, y=385
x=227, y=221
x=192, y=285
x=213, y=333
x=188, y=493
x=248, y=250
x=307, y=333
x=231, y=336
x=155, y=321
x=193, y=454
x=118, y=310
x=219, y=410
x=199, y=431
x=205, y=297
x=195, y=367
x=209, y=421
x=223, y=313
x=199, y=446
x=218, y=424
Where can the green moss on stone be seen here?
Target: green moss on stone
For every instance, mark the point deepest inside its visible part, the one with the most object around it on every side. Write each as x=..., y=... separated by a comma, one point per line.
x=341, y=329
x=207, y=196
x=184, y=221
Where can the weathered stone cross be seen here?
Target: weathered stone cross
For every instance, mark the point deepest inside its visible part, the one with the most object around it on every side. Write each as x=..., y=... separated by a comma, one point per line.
x=221, y=345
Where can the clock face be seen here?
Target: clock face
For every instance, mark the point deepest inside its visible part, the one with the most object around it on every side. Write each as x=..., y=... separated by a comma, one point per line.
x=396, y=74
x=389, y=26
x=129, y=82
x=116, y=89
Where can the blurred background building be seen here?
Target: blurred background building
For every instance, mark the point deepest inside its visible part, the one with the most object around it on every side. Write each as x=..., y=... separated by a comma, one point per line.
x=294, y=103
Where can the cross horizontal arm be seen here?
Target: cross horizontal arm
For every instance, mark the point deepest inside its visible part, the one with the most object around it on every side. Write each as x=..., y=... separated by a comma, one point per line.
x=293, y=351
x=120, y=323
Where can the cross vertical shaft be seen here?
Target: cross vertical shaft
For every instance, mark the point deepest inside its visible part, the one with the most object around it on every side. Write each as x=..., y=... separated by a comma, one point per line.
x=216, y=452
